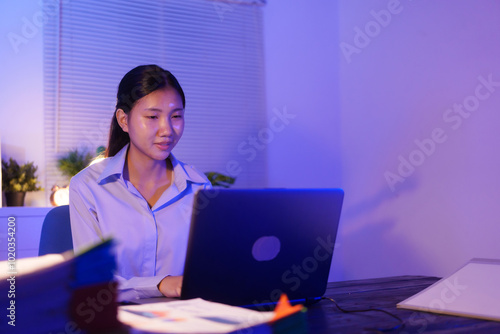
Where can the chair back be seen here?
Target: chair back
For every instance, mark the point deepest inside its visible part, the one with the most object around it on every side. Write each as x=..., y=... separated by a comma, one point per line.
x=56, y=231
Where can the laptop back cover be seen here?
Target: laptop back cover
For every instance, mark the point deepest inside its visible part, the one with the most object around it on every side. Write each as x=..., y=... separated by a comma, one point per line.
x=247, y=246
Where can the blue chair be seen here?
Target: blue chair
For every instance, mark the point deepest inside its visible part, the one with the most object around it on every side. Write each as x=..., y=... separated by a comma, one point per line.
x=56, y=231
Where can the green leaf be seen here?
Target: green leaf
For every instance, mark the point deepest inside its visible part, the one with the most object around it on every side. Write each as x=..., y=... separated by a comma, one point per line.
x=16, y=178
x=220, y=180
x=73, y=162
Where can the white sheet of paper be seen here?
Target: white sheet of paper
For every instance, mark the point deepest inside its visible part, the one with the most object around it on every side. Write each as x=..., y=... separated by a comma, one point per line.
x=472, y=291
x=190, y=316
x=28, y=265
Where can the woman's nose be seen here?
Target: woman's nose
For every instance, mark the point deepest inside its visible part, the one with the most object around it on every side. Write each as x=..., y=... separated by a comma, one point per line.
x=165, y=128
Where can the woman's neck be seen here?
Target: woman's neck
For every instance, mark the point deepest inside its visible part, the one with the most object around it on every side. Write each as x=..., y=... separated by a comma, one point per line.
x=150, y=177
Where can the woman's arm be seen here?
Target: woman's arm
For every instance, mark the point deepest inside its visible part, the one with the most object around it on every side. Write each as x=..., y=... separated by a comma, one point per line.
x=85, y=229
x=171, y=286
x=147, y=287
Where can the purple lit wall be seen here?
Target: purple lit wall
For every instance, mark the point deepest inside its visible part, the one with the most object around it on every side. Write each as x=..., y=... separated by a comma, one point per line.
x=21, y=86
x=397, y=102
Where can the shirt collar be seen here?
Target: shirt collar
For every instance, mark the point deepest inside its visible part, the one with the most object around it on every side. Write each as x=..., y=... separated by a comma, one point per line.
x=115, y=165
x=182, y=172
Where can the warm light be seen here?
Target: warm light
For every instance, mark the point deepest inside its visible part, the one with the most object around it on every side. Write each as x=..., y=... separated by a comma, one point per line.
x=59, y=196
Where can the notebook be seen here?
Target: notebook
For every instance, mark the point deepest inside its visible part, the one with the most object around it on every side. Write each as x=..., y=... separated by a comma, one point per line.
x=472, y=291
x=248, y=246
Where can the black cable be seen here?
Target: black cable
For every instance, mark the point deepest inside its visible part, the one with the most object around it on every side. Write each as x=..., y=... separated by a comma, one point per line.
x=400, y=325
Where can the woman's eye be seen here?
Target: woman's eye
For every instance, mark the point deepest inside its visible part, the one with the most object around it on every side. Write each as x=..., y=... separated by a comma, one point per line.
x=152, y=117
x=177, y=116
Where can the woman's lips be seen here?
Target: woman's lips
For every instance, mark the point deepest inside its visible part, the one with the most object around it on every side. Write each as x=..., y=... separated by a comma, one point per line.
x=164, y=145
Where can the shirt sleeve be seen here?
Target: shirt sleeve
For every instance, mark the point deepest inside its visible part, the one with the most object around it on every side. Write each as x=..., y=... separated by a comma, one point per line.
x=85, y=228
x=138, y=287
x=85, y=232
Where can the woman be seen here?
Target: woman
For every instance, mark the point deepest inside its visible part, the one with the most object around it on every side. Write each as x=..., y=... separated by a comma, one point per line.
x=140, y=194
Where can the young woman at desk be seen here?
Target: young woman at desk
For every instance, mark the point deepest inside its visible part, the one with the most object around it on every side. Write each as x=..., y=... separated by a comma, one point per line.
x=140, y=194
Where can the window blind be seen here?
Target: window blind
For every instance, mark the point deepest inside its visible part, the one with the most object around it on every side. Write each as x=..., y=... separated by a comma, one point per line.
x=213, y=48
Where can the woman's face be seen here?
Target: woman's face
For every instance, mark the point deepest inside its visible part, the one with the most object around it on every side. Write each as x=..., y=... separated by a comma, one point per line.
x=155, y=124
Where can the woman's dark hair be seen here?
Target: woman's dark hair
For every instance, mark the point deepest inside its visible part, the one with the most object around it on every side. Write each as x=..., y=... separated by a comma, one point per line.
x=136, y=84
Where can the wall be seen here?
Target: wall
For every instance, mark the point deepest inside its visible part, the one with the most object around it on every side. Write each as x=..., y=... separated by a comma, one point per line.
x=302, y=81
x=21, y=87
x=418, y=100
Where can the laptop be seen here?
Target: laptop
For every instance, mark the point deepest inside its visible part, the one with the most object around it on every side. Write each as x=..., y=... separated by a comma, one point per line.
x=248, y=246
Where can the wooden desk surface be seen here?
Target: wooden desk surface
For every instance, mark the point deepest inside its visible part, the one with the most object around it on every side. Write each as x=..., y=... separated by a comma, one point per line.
x=385, y=293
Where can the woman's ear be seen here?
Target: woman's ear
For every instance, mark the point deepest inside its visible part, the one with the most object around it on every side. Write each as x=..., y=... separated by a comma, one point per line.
x=122, y=119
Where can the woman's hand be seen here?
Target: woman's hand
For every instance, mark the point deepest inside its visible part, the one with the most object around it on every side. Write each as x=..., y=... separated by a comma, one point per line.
x=171, y=286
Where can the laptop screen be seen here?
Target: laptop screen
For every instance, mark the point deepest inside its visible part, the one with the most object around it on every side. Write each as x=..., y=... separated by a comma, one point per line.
x=248, y=246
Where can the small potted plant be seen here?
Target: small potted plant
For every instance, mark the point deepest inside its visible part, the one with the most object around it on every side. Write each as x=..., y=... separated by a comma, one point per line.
x=69, y=164
x=220, y=180
x=73, y=162
x=17, y=180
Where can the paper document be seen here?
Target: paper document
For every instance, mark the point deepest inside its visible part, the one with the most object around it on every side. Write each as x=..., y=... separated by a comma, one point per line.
x=190, y=316
x=472, y=291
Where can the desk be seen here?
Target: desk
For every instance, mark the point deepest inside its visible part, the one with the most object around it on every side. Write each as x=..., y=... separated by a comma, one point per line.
x=382, y=293
x=385, y=293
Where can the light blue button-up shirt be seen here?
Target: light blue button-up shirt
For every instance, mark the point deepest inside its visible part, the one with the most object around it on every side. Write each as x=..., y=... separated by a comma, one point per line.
x=150, y=242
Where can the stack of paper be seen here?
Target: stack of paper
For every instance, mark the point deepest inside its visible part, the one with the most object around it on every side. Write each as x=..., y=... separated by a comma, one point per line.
x=201, y=316
x=63, y=293
x=59, y=293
